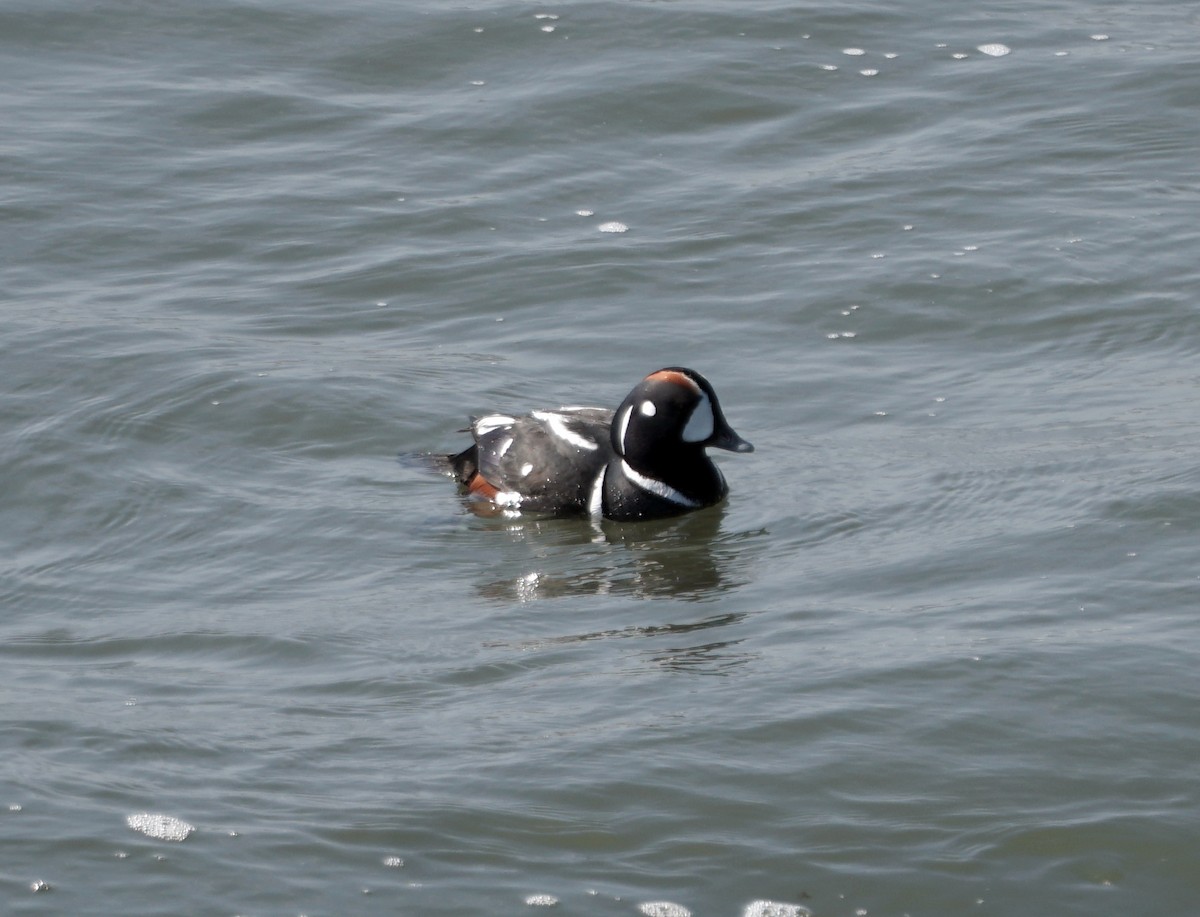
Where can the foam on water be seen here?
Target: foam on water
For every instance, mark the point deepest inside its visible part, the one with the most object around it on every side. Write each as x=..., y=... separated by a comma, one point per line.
x=160, y=827
x=663, y=909
x=775, y=909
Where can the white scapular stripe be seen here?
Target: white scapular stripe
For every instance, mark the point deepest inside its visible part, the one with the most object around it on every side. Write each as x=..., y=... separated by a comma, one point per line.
x=485, y=425
x=658, y=488
x=558, y=426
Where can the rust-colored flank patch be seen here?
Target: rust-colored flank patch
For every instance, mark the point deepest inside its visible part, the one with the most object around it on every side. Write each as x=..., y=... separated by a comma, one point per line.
x=481, y=486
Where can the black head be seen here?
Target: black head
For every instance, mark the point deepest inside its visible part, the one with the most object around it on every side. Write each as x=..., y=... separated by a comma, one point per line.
x=671, y=412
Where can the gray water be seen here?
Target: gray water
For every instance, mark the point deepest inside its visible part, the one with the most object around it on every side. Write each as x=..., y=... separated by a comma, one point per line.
x=936, y=655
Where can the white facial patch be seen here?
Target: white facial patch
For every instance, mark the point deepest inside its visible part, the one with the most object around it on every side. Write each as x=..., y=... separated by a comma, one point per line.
x=558, y=426
x=648, y=409
x=526, y=468
x=622, y=425
x=701, y=424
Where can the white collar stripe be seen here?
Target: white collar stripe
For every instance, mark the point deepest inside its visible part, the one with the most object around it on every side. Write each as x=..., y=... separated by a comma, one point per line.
x=658, y=488
x=596, y=500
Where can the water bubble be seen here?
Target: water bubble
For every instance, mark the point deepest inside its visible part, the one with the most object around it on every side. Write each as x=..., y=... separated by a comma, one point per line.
x=994, y=49
x=890, y=55
x=1098, y=37
x=547, y=28
x=584, y=213
x=959, y=55
x=829, y=66
x=393, y=861
x=854, y=52
x=39, y=886
x=613, y=226
x=541, y=900
x=869, y=72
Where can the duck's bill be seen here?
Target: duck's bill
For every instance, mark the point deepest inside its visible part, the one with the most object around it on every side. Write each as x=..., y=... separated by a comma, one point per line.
x=728, y=440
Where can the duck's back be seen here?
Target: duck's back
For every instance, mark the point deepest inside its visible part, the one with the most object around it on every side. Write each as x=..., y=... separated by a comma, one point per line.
x=545, y=461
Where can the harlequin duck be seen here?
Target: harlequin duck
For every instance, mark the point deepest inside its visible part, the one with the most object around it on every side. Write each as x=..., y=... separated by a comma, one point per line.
x=646, y=460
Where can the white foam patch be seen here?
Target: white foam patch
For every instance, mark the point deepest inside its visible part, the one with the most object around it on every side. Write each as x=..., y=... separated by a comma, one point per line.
x=613, y=226
x=159, y=827
x=507, y=498
x=664, y=909
x=994, y=49
x=775, y=909
x=854, y=52
x=541, y=900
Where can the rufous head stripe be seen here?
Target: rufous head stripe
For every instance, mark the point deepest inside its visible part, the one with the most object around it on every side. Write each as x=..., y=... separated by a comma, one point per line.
x=674, y=376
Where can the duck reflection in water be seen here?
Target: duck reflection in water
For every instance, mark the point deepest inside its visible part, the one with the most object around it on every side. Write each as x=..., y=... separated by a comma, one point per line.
x=684, y=557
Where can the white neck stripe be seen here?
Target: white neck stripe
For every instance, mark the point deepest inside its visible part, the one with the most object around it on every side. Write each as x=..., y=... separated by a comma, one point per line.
x=658, y=488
